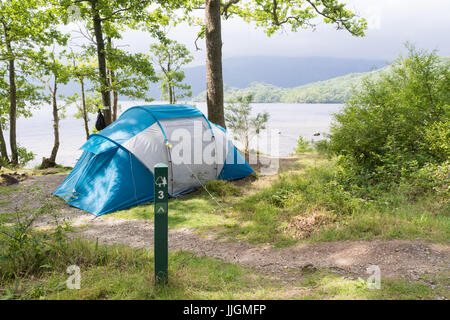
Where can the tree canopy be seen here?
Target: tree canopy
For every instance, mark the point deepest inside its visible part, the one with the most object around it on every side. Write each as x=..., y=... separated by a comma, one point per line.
x=171, y=56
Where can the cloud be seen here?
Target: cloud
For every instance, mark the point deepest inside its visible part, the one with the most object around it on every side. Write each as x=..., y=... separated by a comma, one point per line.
x=391, y=23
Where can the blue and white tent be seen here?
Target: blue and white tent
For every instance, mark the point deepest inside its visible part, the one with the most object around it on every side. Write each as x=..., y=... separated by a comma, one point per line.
x=115, y=171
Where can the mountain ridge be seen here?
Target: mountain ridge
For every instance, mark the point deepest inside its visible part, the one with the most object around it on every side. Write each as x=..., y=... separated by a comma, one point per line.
x=335, y=90
x=287, y=72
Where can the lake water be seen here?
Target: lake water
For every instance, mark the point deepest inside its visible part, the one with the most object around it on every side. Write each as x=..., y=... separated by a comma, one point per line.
x=287, y=120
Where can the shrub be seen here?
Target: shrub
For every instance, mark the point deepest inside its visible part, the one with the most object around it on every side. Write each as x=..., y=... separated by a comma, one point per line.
x=240, y=122
x=431, y=178
x=222, y=188
x=322, y=146
x=437, y=137
x=303, y=145
x=280, y=197
x=25, y=252
x=24, y=157
x=397, y=124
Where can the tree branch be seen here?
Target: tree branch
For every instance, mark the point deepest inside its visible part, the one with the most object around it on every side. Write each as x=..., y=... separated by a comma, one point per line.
x=225, y=6
x=121, y=10
x=199, y=36
x=340, y=21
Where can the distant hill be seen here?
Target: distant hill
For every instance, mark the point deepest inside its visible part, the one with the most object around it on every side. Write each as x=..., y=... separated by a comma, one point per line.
x=286, y=72
x=280, y=79
x=336, y=90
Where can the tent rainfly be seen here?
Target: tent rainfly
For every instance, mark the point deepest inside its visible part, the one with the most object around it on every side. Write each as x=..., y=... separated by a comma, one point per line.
x=115, y=171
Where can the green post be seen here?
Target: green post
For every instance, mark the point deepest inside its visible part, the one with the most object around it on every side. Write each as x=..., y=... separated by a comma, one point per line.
x=161, y=223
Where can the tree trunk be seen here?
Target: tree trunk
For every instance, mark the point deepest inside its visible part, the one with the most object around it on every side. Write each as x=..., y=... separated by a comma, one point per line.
x=172, y=93
x=169, y=80
x=214, y=80
x=115, y=104
x=12, y=103
x=101, y=56
x=112, y=76
x=246, y=148
x=115, y=95
x=12, y=112
x=84, y=111
x=3, y=152
x=51, y=162
x=171, y=100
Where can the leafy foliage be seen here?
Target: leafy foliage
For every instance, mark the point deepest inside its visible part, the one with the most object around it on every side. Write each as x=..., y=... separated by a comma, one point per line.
x=170, y=57
x=274, y=15
x=222, y=188
x=93, y=101
x=24, y=251
x=24, y=156
x=26, y=28
x=396, y=125
x=303, y=145
x=28, y=97
x=104, y=20
x=433, y=178
x=133, y=73
x=243, y=126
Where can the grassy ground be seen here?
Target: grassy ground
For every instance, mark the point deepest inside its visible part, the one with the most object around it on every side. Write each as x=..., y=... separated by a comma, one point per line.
x=119, y=272
x=304, y=203
x=59, y=169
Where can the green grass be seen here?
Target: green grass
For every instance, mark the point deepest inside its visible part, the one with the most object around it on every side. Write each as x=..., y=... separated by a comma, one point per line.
x=305, y=189
x=408, y=221
x=195, y=211
x=59, y=169
x=270, y=214
x=6, y=217
x=327, y=285
x=8, y=190
x=118, y=272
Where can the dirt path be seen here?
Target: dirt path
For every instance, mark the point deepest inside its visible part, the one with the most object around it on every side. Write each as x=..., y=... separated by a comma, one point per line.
x=395, y=258
x=398, y=258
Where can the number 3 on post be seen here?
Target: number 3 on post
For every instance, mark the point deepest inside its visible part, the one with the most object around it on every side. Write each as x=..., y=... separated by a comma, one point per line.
x=161, y=223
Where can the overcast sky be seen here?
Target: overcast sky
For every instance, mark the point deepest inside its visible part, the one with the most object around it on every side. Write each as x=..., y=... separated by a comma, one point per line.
x=425, y=23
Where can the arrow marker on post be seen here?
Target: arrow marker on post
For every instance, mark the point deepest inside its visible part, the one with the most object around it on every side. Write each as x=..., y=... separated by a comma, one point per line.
x=161, y=223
